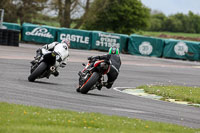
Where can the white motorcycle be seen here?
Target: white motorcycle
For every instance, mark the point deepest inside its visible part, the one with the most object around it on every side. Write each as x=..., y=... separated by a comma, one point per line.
x=47, y=64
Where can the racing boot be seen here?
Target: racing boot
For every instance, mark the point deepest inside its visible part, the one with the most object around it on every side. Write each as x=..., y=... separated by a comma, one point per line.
x=78, y=89
x=80, y=73
x=33, y=62
x=99, y=86
x=55, y=73
x=108, y=85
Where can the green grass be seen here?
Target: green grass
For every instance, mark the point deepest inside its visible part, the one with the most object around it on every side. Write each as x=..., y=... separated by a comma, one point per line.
x=28, y=119
x=48, y=23
x=182, y=93
x=156, y=34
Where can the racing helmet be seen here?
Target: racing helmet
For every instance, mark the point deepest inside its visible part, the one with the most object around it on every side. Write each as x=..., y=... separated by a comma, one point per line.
x=113, y=50
x=66, y=41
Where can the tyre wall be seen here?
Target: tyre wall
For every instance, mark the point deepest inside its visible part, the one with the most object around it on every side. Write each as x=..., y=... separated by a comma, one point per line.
x=9, y=37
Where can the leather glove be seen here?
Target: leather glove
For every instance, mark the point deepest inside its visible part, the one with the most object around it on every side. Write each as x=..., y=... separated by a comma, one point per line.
x=105, y=83
x=90, y=58
x=63, y=65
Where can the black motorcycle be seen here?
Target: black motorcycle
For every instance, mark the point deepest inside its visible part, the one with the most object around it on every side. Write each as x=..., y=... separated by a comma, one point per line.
x=43, y=66
x=92, y=76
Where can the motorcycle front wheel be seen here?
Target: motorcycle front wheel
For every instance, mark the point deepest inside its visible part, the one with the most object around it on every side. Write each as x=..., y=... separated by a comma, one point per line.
x=37, y=72
x=89, y=83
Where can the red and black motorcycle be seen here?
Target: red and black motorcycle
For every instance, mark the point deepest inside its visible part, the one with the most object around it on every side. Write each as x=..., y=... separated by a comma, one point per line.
x=92, y=76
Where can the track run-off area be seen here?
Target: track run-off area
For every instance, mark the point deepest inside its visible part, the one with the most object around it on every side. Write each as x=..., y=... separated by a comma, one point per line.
x=60, y=92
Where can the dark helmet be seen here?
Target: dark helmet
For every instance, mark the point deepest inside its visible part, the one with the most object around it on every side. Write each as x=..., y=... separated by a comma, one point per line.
x=114, y=50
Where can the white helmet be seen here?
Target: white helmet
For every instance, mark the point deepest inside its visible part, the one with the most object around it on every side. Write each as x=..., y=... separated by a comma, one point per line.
x=66, y=41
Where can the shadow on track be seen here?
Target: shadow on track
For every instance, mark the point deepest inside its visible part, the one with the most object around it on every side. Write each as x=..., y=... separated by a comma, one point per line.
x=99, y=95
x=42, y=82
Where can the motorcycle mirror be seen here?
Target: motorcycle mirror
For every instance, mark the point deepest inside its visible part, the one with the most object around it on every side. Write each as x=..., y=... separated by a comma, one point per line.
x=83, y=64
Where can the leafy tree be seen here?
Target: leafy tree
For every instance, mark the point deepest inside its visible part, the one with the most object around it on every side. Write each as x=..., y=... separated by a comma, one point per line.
x=28, y=9
x=119, y=16
x=172, y=24
x=68, y=10
x=10, y=14
x=183, y=22
x=194, y=21
x=156, y=24
x=189, y=23
x=84, y=16
x=23, y=10
x=157, y=20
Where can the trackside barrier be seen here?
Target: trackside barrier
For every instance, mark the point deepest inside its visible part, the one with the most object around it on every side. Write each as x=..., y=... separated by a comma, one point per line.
x=9, y=37
x=145, y=46
x=12, y=26
x=38, y=34
x=103, y=41
x=97, y=40
x=179, y=49
x=79, y=39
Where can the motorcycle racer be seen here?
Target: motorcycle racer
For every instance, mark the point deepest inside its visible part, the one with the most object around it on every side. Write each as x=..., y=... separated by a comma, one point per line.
x=115, y=63
x=55, y=46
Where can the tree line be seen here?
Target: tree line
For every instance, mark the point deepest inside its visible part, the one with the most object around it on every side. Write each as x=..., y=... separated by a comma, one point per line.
x=187, y=23
x=118, y=16
x=28, y=10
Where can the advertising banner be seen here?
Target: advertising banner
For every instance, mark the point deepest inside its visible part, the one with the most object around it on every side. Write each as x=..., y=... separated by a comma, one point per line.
x=79, y=39
x=103, y=41
x=180, y=49
x=145, y=46
x=38, y=34
x=12, y=26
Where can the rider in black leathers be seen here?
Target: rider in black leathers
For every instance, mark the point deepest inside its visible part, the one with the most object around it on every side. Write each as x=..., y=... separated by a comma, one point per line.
x=115, y=63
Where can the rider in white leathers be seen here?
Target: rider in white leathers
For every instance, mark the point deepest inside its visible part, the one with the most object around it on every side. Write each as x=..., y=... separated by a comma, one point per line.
x=61, y=49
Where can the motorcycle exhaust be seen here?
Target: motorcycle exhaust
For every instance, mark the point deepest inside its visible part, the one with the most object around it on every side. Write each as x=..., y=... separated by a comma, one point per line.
x=53, y=68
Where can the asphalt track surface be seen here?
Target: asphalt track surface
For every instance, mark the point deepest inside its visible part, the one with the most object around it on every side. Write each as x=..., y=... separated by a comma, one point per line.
x=135, y=71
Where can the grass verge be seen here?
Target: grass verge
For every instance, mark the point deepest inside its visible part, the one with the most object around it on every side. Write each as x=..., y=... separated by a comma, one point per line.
x=182, y=93
x=28, y=119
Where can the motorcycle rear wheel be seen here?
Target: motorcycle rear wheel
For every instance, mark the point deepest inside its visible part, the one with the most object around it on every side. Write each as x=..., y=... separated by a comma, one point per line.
x=37, y=72
x=89, y=83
